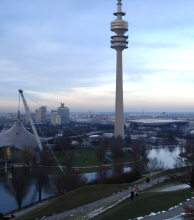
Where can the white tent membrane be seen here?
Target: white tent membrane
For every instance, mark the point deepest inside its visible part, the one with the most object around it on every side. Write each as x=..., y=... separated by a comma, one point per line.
x=18, y=137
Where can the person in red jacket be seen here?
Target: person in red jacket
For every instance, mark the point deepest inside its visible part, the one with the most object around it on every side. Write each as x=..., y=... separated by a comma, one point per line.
x=136, y=191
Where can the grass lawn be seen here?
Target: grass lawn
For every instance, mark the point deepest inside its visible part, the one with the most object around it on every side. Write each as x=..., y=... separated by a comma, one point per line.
x=71, y=198
x=86, y=157
x=144, y=204
x=148, y=201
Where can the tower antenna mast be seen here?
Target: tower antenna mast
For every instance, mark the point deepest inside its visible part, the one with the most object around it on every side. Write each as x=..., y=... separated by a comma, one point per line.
x=119, y=43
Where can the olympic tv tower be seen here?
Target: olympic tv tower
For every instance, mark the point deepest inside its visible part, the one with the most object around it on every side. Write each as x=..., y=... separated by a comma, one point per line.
x=119, y=43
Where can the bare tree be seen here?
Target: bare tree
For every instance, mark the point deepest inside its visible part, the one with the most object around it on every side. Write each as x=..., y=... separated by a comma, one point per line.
x=189, y=147
x=18, y=187
x=58, y=184
x=45, y=158
x=73, y=181
x=102, y=172
x=41, y=180
x=65, y=182
x=69, y=160
x=116, y=146
x=138, y=167
x=27, y=155
x=118, y=166
x=184, y=169
x=139, y=149
x=106, y=141
x=100, y=151
x=154, y=165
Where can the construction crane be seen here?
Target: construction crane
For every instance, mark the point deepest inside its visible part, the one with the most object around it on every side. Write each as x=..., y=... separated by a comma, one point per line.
x=30, y=119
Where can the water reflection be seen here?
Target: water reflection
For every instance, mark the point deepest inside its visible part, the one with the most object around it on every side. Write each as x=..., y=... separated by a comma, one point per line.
x=95, y=175
x=7, y=202
x=166, y=154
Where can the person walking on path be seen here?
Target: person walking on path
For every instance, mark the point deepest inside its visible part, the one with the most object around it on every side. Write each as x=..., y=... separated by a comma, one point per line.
x=148, y=180
x=136, y=191
x=132, y=195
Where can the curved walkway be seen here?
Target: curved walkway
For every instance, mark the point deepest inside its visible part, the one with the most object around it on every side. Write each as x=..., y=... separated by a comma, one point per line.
x=96, y=204
x=103, y=201
x=175, y=211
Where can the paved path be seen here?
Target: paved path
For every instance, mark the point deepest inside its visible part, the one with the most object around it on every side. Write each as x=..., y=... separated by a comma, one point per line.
x=166, y=215
x=170, y=213
x=115, y=197
x=103, y=201
x=24, y=210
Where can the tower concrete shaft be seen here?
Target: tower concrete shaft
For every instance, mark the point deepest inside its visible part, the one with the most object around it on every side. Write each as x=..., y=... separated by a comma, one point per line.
x=119, y=43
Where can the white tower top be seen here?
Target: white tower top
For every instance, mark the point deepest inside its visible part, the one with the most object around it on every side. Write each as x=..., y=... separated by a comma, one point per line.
x=120, y=27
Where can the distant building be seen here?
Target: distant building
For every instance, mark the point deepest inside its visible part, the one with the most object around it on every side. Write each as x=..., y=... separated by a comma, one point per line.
x=94, y=137
x=64, y=114
x=165, y=124
x=6, y=121
x=40, y=115
x=83, y=120
x=97, y=119
x=108, y=135
x=55, y=118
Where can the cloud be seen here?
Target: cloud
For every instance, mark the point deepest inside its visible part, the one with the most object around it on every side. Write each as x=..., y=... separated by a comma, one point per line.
x=60, y=51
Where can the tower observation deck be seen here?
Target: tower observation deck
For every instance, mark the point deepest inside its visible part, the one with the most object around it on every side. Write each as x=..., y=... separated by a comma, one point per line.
x=119, y=43
x=120, y=27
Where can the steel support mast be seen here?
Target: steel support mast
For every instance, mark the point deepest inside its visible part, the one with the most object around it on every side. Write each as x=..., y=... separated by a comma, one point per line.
x=34, y=128
x=30, y=119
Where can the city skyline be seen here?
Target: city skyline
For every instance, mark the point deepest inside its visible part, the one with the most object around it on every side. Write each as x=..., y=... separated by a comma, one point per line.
x=59, y=51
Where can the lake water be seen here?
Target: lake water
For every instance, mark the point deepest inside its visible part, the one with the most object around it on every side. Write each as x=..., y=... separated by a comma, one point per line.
x=166, y=154
x=95, y=175
x=7, y=202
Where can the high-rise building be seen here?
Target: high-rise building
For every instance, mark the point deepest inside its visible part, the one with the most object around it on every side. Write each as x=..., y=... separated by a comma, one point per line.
x=64, y=114
x=119, y=43
x=40, y=115
x=55, y=118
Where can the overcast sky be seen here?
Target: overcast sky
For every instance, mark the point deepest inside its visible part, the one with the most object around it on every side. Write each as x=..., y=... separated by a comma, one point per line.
x=59, y=51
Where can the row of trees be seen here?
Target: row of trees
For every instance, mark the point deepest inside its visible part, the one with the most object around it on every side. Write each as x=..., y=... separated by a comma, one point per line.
x=112, y=145
x=37, y=166
x=139, y=166
x=183, y=169
x=62, y=183
x=30, y=157
x=19, y=185
x=184, y=165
